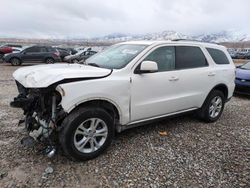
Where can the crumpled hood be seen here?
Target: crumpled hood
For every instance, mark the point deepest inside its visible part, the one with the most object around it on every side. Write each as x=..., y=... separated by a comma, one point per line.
x=41, y=76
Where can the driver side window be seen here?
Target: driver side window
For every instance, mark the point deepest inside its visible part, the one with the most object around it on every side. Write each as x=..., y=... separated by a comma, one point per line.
x=164, y=57
x=31, y=50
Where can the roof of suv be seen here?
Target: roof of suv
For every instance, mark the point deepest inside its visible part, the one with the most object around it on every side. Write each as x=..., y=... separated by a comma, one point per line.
x=184, y=42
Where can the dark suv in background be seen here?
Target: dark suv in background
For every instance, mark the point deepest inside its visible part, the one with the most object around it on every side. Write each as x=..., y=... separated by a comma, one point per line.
x=46, y=54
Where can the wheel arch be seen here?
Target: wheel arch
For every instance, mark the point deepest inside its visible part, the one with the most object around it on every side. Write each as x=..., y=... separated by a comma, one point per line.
x=220, y=87
x=223, y=88
x=16, y=58
x=110, y=106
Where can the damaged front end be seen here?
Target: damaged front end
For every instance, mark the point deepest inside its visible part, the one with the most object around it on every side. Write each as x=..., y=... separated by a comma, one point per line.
x=43, y=113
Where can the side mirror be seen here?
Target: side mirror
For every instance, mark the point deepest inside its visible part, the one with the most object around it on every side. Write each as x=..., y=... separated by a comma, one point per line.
x=24, y=52
x=147, y=67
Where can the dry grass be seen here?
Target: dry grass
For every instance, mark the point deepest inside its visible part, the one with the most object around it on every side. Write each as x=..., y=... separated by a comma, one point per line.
x=240, y=61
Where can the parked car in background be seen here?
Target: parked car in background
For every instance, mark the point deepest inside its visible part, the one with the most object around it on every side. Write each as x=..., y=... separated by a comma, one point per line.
x=80, y=56
x=9, y=48
x=247, y=55
x=127, y=85
x=5, y=49
x=72, y=51
x=63, y=52
x=240, y=55
x=233, y=54
x=242, y=80
x=45, y=54
x=15, y=47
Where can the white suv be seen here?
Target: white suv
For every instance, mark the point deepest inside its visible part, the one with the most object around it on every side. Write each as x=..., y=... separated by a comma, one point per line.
x=124, y=86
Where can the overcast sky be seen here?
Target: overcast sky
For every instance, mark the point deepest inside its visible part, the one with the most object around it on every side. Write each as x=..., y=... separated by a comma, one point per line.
x=91, y=18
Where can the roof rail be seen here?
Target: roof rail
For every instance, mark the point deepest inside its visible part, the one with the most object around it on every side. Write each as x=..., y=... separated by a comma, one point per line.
x=192, y=40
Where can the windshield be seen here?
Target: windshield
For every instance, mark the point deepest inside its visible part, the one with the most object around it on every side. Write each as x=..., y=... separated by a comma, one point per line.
x=116, y=57
x=246, y=66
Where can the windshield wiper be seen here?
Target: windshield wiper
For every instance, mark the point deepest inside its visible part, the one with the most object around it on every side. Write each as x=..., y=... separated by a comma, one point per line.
x=93, y=64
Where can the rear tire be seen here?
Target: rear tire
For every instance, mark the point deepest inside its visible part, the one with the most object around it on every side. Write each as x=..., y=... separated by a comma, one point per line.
x=49, y=61
x=213, y=107
x=15, y=61
x=86, y=133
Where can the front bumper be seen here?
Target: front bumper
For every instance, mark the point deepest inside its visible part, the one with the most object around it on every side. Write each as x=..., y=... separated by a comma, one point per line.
x=242, y=86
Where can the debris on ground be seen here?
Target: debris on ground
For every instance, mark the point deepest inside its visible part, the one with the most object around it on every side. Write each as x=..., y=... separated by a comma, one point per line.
x=190, y=154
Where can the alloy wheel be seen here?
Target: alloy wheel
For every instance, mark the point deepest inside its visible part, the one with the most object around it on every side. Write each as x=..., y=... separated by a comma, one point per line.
x=215, y=107
x=50, y=61
x=90, y=135
x=15, y=61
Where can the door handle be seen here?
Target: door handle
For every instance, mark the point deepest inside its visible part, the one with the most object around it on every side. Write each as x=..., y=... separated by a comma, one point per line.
x=173, y=78
x=211, y=74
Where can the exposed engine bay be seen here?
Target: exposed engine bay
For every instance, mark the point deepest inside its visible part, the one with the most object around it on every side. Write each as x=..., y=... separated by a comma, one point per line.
x=43, y=113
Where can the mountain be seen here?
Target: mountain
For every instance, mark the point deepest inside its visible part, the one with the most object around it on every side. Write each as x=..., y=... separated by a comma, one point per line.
x=165, y=35
x=219, y=37
x=223, y=36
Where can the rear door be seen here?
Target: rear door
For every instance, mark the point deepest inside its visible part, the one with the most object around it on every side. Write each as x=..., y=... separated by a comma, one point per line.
x=194, y=78
x=42, y=54
x=29, y=54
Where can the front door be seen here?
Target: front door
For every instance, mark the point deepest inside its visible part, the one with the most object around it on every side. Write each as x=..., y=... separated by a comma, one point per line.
x=152, y=93
x=31, y=54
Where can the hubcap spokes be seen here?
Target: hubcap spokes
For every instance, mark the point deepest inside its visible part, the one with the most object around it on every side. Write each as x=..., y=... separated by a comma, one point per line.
x=90, y=135
x=15, y=61
x=50, y=61
x=215, y=107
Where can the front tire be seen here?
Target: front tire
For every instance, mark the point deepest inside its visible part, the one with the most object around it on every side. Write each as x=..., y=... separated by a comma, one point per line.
x=15, y=61
x=86, y=133
x=213, y=107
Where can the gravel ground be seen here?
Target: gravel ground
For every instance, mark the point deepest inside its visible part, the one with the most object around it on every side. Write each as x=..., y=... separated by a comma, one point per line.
x=192, y=154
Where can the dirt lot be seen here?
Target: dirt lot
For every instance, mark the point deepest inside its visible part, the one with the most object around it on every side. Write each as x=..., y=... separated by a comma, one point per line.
x=193, y=154
x=240, y=61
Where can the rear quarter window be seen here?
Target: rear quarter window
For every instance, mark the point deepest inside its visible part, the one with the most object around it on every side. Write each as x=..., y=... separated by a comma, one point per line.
x=218, y=56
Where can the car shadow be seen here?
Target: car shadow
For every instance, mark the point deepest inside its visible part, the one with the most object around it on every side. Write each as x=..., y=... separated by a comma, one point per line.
x=169, y=124
x=241, y=96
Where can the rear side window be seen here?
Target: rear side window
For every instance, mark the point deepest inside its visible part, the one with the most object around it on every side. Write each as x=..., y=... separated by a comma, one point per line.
x=189, y=57
x=32, y=50
x=218, y=56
